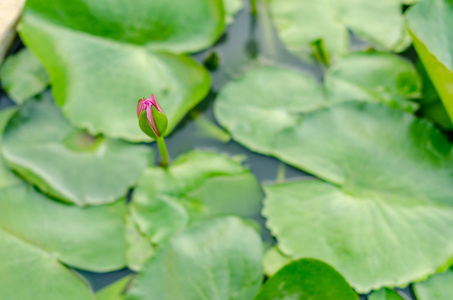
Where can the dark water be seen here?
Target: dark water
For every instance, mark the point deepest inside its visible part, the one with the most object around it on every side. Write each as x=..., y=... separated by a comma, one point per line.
x=248, y=41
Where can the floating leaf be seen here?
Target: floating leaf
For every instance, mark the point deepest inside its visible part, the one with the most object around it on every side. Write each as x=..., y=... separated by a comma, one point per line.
x=22, y=76
x=381, y=77
x=437, y=287
x=218, y=259
x=46, y=278
x=42, y=146
x=385, y=294
x=38, y=234
x=196, y=185
x=307, y=279
x=402, y=196
x=271, y=118
x=261, y=106
x=303, y=23
x=316, y=219
x=430, y=23
x=115, y=290
x=89, y=238
x=20, y=259
x=104, y=55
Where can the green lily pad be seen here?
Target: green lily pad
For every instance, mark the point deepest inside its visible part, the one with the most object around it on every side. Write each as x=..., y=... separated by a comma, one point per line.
x=437, y=287
x=218, y=259
x=430, y=23
x=46, y=278
x=385, y=294
x=361, y=235
x=197, y=185
x=307, y=279
x=39, y=236
x=268, y=118
x=114, y=291
x=89, y=238
x=22, y=76
x=7, y=177
x=381, y=77
x=402, y=196
x=302, y=23
x=43, y=147
x=258, y=108
x=102, y=56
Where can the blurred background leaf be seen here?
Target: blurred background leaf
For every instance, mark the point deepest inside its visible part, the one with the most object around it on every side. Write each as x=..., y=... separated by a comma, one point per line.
x=218, y=259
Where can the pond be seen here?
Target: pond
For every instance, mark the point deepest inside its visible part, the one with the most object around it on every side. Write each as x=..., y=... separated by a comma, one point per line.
x=249, y=41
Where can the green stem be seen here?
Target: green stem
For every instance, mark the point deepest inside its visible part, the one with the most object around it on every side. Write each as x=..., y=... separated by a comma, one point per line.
x=163, y=152
x=268, y=32
x=254, y=7
x=281, y=172
x=320, y=52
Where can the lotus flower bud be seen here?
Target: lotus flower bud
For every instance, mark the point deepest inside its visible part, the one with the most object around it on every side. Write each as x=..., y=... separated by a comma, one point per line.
x=151, y=118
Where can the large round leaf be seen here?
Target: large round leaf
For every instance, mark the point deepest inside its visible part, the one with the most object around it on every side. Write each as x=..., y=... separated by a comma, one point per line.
x=38, y=236
x=195, y=186
x=217, y=259
x=259, y=107
x=437, y=287
x=174, y=25
x=307, y=279
x=392, y=176
x=104, y=55
x=361, y=235
x=336, y=144
x=28, y=273
x=378, y=76
x=89, y=238
x=430, y=23
x=41, y=145
x=302, y=23
x=270, y=119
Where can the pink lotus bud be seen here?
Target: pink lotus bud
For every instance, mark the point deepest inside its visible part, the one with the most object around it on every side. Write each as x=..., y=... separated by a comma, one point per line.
x=151, y=118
